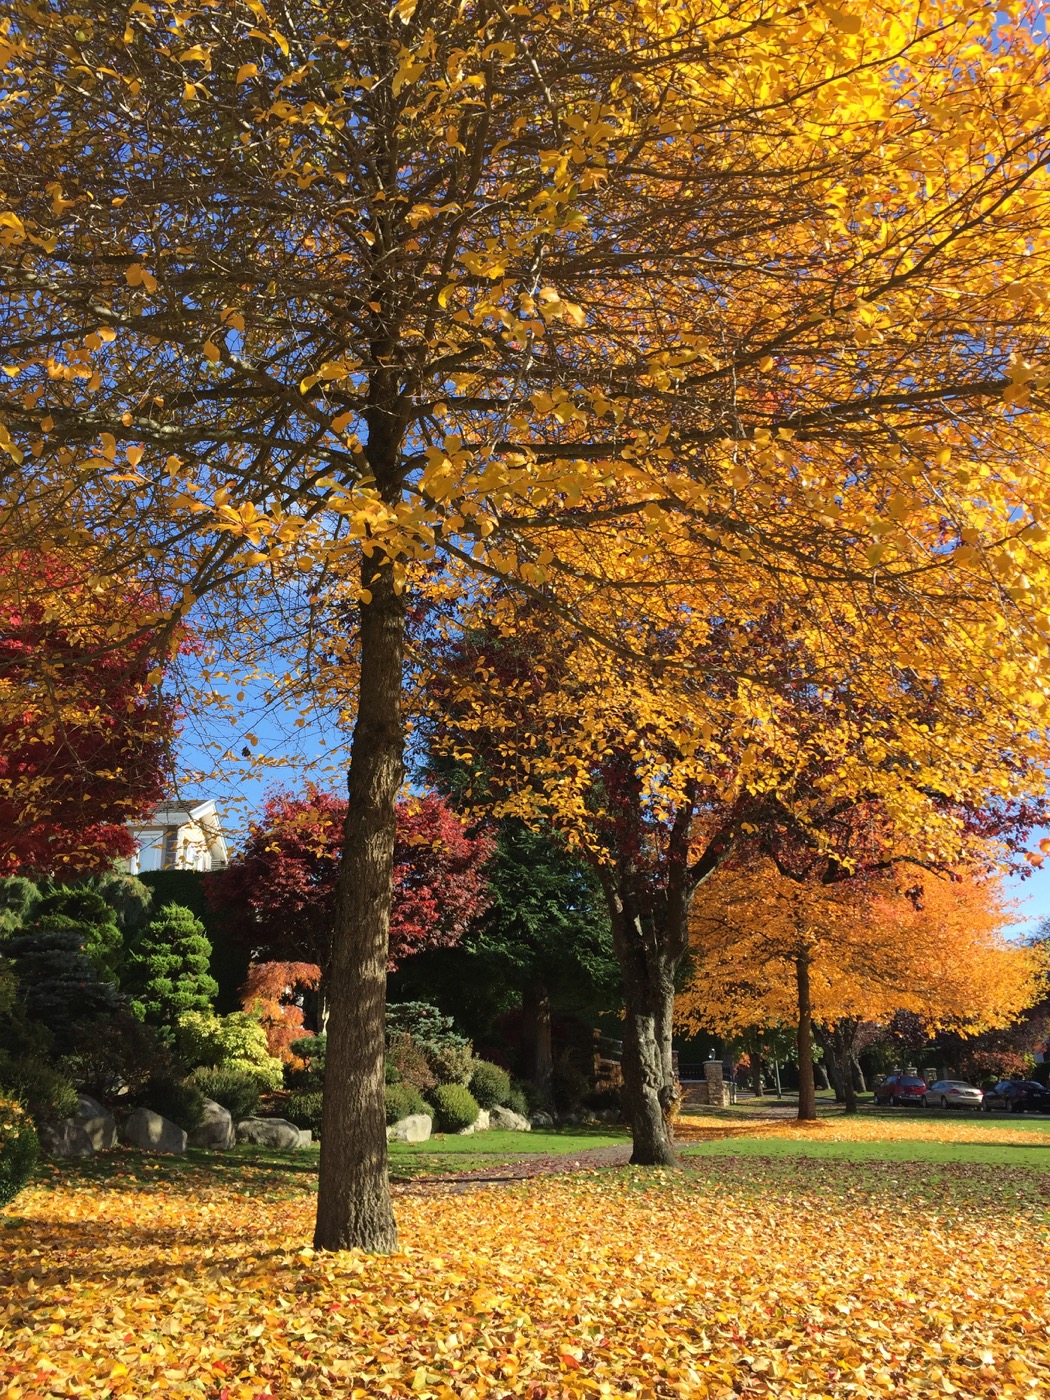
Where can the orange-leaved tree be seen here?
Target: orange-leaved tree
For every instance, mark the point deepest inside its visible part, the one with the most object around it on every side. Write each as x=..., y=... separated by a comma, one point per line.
x=769, y=949
x=322, y=291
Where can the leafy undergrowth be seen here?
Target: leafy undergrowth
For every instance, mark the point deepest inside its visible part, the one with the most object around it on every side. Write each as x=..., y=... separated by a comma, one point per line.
x=735, y=1278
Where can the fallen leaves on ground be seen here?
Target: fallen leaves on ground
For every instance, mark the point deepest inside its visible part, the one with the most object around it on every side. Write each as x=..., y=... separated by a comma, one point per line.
x=866, y=1129
x=734, y=1279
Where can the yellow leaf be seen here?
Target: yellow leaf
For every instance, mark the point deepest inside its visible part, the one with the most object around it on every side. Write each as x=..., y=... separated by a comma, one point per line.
x=849, y=24
x=246, y=71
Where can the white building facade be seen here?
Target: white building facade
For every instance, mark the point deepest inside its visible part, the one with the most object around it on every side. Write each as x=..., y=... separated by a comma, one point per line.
x=179, y=836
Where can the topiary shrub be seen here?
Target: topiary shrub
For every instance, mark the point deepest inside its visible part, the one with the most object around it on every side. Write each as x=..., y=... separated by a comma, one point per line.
x=455, y=1107
x=235, y=1090
x=19, y=1149
x=179, y=1100
x=304, y=1110
x=403, y=1100
x=166, y=973
x=490, y=1084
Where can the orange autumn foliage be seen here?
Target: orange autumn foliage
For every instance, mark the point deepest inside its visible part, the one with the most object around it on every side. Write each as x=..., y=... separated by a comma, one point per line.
x=269, y=993
x=930, y=944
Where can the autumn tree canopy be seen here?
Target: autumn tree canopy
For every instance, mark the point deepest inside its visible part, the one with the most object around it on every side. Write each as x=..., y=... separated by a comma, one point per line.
x=84, y=732
x=748, y=302
x=277, y=895
x=768, y=949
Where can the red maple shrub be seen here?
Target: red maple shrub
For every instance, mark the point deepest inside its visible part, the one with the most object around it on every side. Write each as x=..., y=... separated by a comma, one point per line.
x=278, y=895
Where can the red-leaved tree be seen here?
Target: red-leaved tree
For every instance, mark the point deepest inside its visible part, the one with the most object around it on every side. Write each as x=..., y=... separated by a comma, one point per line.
x=83, y=728
x=278, y=894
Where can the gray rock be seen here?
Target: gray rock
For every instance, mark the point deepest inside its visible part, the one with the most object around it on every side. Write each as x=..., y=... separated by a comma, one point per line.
x=65, y=1138
x=541, y=1120
x=464, y=1132
x=153, y=1133
x=508, y=1121
x=415, y=1128
x=99, y=1125
x=275, y=1133
x=481, y=1122
x=215, y=1130
x=306, y=1137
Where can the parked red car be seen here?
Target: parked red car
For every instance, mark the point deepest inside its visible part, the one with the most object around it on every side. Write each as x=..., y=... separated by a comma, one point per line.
x=901, y=1089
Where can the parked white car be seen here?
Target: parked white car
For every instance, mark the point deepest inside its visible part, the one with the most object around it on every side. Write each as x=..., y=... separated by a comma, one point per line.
x=951, y=1093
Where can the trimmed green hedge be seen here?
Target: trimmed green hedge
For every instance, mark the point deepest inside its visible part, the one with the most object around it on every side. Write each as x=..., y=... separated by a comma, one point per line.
x=403, y=1100
x=490, y=1084
x=456, y=1107
x=235, y=1089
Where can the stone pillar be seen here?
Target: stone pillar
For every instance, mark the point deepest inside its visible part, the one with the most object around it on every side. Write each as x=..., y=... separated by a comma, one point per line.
x=716, y=1088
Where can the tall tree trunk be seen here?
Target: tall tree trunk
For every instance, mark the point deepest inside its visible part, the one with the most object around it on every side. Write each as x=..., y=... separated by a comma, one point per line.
x=756, y=1075
x=536, y=1028
x=829, y=1042
x=807, y=1094
x=648, y=1079
x=353, y=1203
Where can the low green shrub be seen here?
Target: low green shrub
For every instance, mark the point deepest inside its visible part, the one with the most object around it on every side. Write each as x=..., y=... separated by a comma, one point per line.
x=490, y=1084
x=304, y=1110
x=236, y=1041
x=19, y=1149
x=455, y=1107
x=517, y=1101
x=448, y=1054
x=180, y=1100
x=233, y=1088
x=403, y=1100
x=45, y=1091
x=535, y=1099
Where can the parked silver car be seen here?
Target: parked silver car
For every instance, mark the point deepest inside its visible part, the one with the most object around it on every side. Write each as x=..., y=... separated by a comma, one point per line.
x=951, y=1093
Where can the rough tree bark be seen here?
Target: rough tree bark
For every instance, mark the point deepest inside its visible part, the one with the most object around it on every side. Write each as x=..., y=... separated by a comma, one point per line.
x=353, y=1205
x=648, y=1077
x=807, y=1094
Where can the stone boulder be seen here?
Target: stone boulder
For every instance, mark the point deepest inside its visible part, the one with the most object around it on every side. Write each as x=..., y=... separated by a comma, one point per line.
x=65, y=1138
x=415, y=1128
x=99, y=1125
x=508, y=1121
x=276, y=1133
x=152, y=1132
x=215, y=1130
x=541, y=1120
